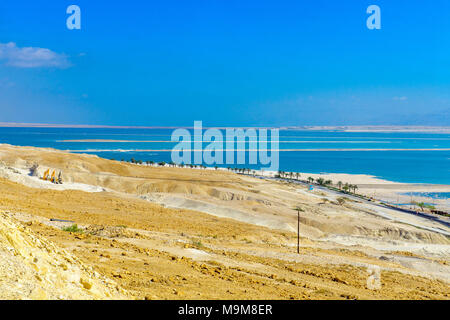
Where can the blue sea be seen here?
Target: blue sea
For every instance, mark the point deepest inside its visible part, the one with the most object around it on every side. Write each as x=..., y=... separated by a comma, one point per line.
x=300, y=151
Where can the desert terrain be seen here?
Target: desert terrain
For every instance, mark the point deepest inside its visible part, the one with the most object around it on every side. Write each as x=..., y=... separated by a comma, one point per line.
x=145, y=232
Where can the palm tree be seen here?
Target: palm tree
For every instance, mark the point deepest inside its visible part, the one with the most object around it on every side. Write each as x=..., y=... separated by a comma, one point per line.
x=421, y=205
x=320, y=181
x=346, y=187
x=339, y=184
x=297, y=175
x=355, y=187
x=310, y=179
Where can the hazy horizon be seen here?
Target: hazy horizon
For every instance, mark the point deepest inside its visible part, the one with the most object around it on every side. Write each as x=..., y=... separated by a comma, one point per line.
x=305, y=127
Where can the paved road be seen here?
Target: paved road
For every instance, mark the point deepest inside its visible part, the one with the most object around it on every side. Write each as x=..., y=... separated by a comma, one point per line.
x=439, y=219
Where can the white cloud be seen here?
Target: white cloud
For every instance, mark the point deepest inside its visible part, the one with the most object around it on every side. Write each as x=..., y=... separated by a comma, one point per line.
x=400, y=98
x=31, y=57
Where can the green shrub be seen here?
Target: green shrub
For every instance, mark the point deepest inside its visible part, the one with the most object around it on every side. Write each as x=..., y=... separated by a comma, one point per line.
x=197, y=243
x=73, y=228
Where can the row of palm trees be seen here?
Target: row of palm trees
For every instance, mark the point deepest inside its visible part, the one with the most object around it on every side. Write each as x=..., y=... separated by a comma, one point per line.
x=192, y=166
x=290, y=175
x=347, y=187
x=320, y=181
x=241, y=170
x=341, y=186
x=150, y=163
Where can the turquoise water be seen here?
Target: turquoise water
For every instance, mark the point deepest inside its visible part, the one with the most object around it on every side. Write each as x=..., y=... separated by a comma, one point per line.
x=378, y=154
x=433, y=195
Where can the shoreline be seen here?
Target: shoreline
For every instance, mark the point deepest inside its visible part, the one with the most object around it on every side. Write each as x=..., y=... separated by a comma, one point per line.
x=368, y=185
x=381, y=189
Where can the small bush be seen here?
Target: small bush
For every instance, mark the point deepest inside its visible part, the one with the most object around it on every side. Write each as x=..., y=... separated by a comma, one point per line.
x=73, y=228
x=197, y=243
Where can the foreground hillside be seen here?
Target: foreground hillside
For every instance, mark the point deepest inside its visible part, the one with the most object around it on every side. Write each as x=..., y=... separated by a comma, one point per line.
x=200, y=234
x=34, y=268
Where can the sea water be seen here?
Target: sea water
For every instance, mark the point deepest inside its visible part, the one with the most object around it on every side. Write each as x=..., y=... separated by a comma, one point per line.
x=398, y=157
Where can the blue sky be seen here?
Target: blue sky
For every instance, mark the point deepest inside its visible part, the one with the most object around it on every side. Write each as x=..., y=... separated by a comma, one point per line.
x=249, y=63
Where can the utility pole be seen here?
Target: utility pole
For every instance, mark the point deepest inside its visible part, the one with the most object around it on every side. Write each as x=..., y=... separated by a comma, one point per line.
x=298, y=209
x=298, y=232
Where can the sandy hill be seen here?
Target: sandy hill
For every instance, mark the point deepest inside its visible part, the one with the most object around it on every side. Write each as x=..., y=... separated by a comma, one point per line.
x=34, y=268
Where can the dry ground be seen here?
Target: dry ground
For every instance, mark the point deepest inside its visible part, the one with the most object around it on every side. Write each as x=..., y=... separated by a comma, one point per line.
x=138, y=233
